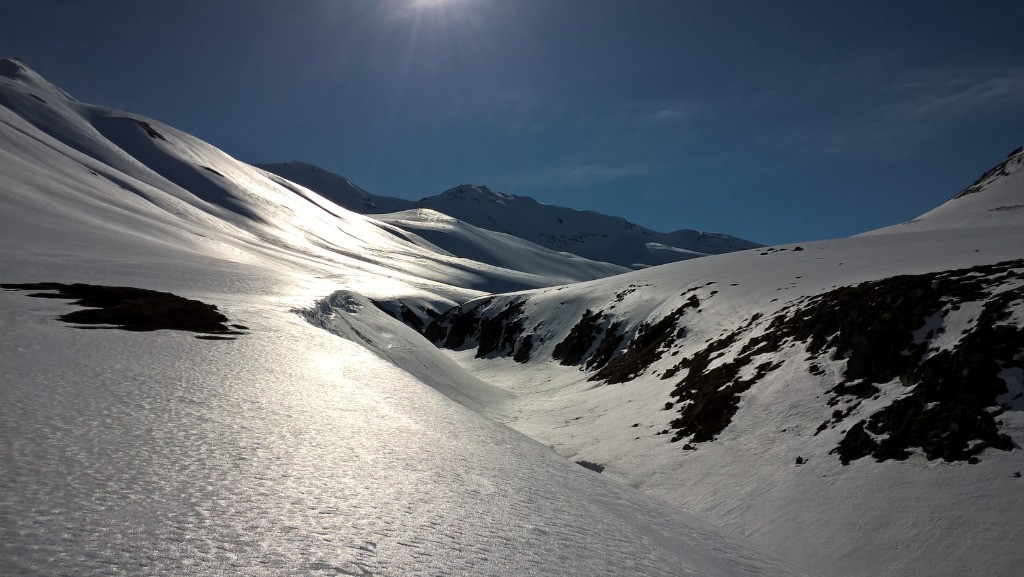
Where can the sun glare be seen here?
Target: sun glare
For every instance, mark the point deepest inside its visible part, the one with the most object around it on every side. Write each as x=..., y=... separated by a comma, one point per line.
x=429, y=3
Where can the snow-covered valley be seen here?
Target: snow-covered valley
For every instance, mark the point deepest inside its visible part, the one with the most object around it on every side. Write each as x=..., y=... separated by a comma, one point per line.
x=720, y=432
x=286, y=450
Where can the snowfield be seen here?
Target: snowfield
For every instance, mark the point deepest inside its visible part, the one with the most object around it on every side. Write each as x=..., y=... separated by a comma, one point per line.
x=850, y=407
x=286, y=450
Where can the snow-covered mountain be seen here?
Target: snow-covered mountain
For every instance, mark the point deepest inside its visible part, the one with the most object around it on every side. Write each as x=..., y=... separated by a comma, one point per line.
x=337, y=188
x=588, y=234
x=856, y=404
x=852, y=406
x=265, y=445
x=994, y=200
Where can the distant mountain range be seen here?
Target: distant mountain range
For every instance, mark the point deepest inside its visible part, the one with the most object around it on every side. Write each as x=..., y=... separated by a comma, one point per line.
x=588, y=234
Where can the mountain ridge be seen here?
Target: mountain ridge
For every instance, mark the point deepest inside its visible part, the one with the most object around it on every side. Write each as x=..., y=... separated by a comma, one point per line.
x=589, y=234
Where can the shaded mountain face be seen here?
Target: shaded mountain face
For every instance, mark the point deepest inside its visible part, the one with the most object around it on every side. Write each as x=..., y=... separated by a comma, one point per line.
x=591, y=235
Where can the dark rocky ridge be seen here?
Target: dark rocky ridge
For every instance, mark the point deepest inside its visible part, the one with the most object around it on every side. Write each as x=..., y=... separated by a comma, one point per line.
x=407, y=314
x=651, y=340
x=592, y=327
x=494, y=332
x=947, y=407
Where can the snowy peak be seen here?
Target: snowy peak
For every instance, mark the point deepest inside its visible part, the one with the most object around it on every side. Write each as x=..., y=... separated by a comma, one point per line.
x=13, y=69
x=588, y=234
x=995, y=199
x=479, y=194
x=1010, y=166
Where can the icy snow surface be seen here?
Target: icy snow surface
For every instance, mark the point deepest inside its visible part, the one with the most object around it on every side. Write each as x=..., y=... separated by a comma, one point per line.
x=288, y=451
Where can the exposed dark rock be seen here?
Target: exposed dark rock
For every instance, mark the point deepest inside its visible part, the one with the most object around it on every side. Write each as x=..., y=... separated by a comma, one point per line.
x=152, y=132
x=948, y=408
x=856, y=444
x=579, y=341
x=494, y=333
x=592, y=466
x=402, y=312
x=607, y=347
x=208, y=169
x=412, y=319
x=650, y=342
x=453, y=327
x=525, y=348
x=498, y=334
x=134, y=309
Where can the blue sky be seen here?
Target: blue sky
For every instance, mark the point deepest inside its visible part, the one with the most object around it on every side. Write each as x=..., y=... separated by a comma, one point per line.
x=776, y=121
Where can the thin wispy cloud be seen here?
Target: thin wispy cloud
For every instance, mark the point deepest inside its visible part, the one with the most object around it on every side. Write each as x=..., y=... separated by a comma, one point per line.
x=672, y=112
x=577, y=175
x=947, y=92
x=891, y=110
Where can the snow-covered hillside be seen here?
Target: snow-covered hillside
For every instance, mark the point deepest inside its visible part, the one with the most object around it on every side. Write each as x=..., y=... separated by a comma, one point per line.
x=265, y=446
x=496, y=248
x=336, y=188
x=856, y=404
x=157, y=182
x=993, y=200
x=585, y=233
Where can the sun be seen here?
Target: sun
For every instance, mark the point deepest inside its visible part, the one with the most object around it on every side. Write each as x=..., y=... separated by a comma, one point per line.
x=429, y=3
x=434, y=4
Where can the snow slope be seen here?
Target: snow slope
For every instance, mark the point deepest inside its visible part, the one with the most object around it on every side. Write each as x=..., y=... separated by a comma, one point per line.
x=499, y=249
x=286, y=450
x=171, y=186
x=585, y=233
x=845, y=402
x=991, y=201
x=336, y=188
